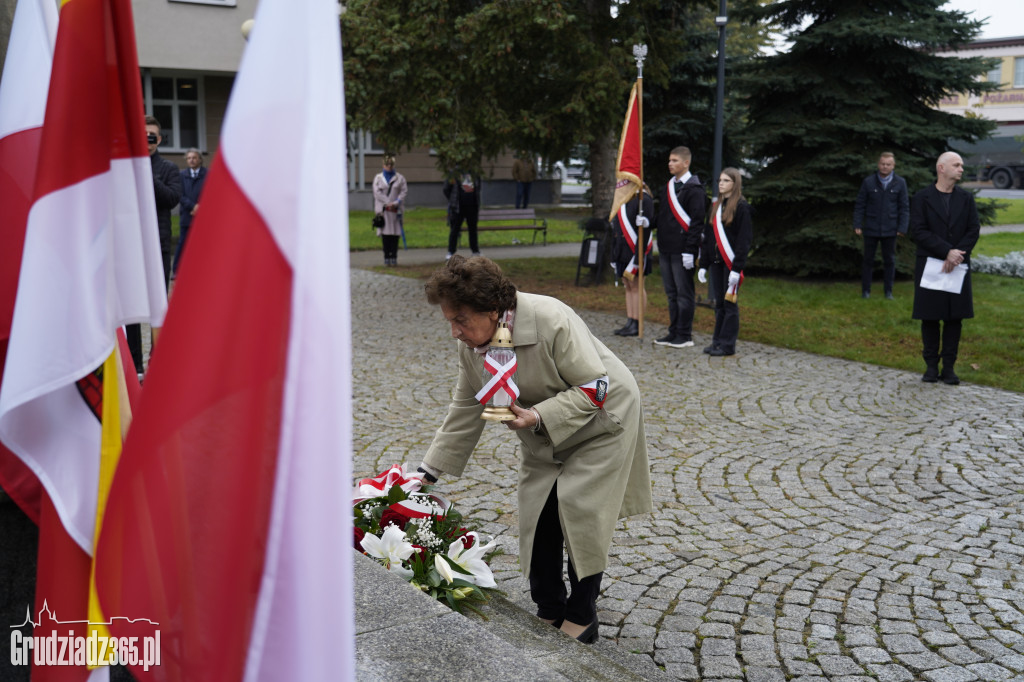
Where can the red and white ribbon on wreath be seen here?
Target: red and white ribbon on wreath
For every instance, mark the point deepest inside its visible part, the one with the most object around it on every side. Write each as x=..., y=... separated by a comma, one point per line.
x=724, y=247
x=379, y=485
x=629, y=232
x=501, y=379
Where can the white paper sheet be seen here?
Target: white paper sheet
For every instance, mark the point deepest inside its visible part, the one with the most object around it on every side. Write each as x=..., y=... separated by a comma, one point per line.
x=934, y=278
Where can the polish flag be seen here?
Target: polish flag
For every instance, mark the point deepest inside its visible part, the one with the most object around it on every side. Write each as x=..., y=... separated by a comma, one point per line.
x=23, y=87
x=229, y=518
x=87, y=268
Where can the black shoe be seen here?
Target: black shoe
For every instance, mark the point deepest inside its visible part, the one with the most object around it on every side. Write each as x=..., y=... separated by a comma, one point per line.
x=624, y=328
x=589, y=636
x=665, y=340
x=866, y=294
x=680, y=342
x=931, y=374
x=710, y=348
x=719, y=352
x=632, y=329
x=948, y=376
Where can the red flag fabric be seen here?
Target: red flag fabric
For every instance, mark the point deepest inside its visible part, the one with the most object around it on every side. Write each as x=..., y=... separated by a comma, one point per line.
x=23, y=89
x=89, y=237
x=228, y=521
x=629, y=164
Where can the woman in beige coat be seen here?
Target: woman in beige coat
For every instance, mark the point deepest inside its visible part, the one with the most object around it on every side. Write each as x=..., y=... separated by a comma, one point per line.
x=583, y=461
x=389, y=190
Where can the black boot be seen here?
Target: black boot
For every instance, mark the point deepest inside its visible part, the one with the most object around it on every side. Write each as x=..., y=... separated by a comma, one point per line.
x=631, y=329
x=931, y=374
x=621, y=331
x=948, y=376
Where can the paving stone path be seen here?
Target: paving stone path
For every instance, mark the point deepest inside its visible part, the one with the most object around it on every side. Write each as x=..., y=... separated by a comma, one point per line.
x=815, y=519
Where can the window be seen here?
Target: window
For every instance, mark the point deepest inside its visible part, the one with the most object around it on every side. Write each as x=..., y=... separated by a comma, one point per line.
x=176, y=101
x=1018, y=72
x=996, y=74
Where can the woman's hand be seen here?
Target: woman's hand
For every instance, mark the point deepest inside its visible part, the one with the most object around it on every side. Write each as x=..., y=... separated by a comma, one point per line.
x=525, y=419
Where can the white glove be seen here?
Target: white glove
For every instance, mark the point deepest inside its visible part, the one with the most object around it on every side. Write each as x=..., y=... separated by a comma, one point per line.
x=642, y=221
x=734, y=279
x=688, y=261
x=702, y=276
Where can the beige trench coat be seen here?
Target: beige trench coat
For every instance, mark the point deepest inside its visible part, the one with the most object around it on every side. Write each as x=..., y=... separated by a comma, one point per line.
x=597, y=456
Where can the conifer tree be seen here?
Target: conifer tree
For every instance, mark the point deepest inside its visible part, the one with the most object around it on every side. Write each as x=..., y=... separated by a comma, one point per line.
x=860, y=78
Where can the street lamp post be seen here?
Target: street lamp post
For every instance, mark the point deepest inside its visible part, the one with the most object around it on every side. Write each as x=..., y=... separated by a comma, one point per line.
x=720, y=22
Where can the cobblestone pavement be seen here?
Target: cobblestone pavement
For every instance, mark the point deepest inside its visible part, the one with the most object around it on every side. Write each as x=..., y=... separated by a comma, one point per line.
x=815, y=519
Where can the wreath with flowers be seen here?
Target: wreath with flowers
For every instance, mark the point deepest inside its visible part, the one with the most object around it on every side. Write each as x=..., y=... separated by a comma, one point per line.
x=418, y=535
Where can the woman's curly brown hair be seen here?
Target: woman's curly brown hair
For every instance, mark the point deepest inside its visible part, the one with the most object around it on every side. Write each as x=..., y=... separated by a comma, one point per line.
x=476, y=283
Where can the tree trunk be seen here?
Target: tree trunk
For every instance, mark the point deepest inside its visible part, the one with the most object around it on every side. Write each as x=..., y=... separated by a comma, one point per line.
x=602, y=174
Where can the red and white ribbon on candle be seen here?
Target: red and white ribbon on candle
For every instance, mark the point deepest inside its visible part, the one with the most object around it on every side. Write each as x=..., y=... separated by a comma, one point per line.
x=501, y=379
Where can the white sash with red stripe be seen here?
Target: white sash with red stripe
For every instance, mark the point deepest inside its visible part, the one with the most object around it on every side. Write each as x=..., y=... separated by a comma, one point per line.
x=501, y=380
x=682, y=217
x=724, y=247
x=629, y=232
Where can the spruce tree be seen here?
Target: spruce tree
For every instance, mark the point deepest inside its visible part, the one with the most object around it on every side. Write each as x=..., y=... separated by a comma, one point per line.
x=860, y=78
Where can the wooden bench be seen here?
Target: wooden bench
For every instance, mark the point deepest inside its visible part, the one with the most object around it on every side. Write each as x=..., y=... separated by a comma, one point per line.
x=526, y=219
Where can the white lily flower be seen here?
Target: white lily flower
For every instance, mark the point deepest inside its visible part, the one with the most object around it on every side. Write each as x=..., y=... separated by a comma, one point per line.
x=472, y=560
x=443, y=568
x=392, y=548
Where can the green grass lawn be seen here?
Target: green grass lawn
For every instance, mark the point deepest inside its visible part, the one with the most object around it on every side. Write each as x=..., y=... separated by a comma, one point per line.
x=1000, y=243
x=1011, y=214
x=828, y=318
x=427, y=228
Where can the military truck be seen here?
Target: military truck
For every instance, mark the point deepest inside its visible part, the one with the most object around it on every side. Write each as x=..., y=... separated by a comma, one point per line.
x=1000, y=158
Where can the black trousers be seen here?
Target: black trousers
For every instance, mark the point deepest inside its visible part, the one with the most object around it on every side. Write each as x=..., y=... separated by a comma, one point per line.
x=950, y=335
x=469, y=214
x=680, y=292
x=888, y=262
x=547, y=588
x=390, y=243
x=727, y=313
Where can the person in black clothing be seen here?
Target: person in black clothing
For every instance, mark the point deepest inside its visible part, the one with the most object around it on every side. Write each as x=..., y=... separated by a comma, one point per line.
x=192, y=180
x=945, y=227
x=726, y=245
x=880, y=214
x=680, y=227
x=167, y=191
x=463, y=193
x=625, y=259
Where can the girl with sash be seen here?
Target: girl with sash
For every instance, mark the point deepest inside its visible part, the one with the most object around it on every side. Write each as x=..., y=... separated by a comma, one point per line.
x=726, y=245
x=624, y=256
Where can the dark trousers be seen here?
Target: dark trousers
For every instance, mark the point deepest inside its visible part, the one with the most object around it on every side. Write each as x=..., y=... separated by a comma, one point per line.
x=888, y=262
x=727, y=314
x=176, y=261
x=679, y=289
x=390, y=243
x=133, y=334
x=950, y=336
x=523, y=194
x=547, y=588
x=468, y=214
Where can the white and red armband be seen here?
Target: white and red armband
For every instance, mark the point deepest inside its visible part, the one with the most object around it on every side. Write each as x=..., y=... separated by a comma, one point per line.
x=596, y=390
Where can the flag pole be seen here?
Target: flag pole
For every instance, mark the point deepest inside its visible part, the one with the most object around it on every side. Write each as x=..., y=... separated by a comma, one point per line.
x=640, y=53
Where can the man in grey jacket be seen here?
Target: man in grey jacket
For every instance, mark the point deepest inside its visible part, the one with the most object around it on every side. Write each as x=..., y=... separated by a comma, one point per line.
x=881, y=213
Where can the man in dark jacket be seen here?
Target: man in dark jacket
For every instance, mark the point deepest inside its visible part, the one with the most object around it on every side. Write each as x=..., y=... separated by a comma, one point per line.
x=463, y=193
x=167, y=191
x=881, y=213
x=945, y=228
x=192, y=179
x=680, y=226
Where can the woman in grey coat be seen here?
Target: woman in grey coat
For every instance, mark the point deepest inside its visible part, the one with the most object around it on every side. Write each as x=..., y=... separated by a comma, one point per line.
x=583, y=462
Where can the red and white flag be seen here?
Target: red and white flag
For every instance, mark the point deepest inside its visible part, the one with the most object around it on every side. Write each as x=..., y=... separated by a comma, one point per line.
x=23, y=87
x=229, y=518
x=90, y=263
